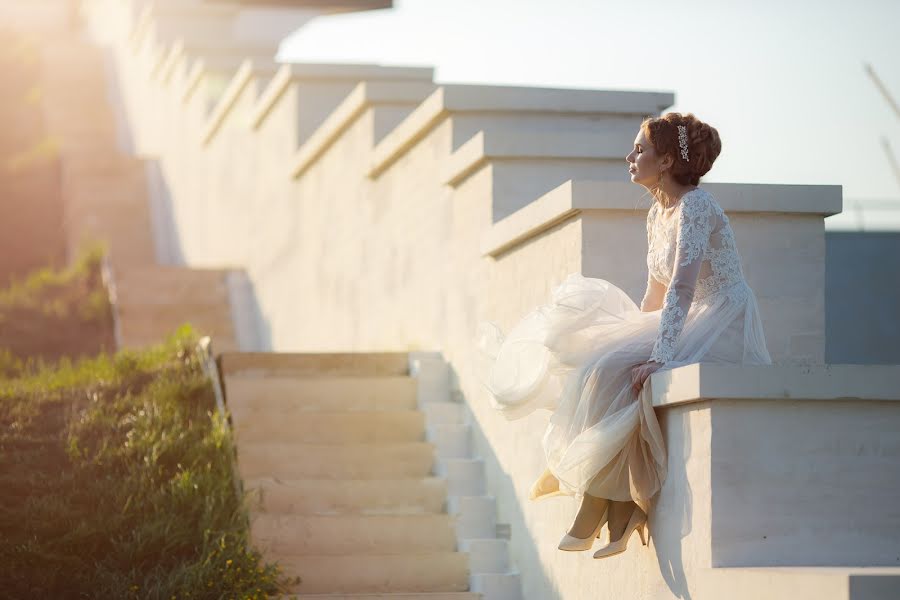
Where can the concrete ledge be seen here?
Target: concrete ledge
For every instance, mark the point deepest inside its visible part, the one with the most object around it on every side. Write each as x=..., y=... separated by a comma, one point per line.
x=239, y=82
x=192, y=81
x=363, y=97
x=239, y=49
x=214, y=65
x=324, y=71
x=513, y=144
x=172, y=58
x=697, y=382
x=475, y=98
x=573, y=196
x=141, y=26
x=159, y=52
x=162, y=70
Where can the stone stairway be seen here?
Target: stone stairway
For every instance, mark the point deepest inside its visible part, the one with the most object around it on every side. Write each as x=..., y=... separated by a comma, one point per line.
x=107, y=198
x=158, y=299
x=360, y=477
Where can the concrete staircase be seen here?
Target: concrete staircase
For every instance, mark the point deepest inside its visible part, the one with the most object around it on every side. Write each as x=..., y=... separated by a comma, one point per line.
x=107, y=198
x=360, y=476
x=158, y=299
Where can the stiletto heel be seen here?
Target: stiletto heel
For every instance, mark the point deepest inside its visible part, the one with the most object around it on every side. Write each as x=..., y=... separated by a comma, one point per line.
x=642, y=531
x=570, y=543
x=637, y=521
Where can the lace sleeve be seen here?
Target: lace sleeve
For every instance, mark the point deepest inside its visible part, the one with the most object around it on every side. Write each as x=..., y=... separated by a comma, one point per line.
x=696, y=219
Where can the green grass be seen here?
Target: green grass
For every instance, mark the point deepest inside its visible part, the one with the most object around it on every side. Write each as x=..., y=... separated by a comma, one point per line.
x=75, y=291
x=116, y=481
x=53, y=313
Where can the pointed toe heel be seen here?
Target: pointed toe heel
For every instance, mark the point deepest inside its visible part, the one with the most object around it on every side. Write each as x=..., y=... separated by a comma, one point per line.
x=637, y=521
x=571, y=543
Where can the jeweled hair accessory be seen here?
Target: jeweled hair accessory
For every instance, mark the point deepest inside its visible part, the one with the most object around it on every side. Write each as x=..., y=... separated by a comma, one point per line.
x=682, y=141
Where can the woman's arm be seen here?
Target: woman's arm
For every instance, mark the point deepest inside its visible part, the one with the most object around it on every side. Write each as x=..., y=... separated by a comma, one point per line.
x=653, y=297
x=695, y=224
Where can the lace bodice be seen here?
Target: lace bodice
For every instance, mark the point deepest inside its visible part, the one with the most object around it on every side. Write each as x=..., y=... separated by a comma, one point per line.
x=693, y=252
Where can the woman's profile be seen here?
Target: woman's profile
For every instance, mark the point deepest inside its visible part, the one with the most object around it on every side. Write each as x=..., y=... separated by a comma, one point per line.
x=586, y=355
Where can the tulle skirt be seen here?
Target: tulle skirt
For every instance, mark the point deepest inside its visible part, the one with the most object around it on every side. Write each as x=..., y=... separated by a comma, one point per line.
x=574, y=356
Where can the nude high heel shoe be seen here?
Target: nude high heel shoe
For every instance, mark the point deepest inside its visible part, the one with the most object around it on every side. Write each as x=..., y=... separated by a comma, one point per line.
x=546, y=486
x=637, y=521
x=570, y=543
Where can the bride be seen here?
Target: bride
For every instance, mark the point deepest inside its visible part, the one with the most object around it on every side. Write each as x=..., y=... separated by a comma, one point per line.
x=586, y=355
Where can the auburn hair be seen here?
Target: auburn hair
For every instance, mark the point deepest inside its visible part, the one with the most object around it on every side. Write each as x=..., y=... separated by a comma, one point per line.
x=704, y=145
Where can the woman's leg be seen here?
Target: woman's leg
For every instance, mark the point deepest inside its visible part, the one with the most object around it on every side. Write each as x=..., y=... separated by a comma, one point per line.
x=589, y=514
x=619, y=513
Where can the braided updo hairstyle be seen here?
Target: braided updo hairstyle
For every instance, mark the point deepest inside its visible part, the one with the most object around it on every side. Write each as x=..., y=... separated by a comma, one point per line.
x=704, y=145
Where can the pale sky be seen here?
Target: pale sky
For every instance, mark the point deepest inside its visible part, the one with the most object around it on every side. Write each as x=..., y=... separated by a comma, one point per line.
x=782, y=82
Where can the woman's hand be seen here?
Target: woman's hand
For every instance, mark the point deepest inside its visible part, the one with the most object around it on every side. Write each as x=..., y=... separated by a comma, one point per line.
x=640, y=373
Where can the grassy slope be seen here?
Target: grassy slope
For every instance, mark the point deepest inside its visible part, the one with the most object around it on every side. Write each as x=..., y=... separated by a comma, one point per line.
x=116, y=482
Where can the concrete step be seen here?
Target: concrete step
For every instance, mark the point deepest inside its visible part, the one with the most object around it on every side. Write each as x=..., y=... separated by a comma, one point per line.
x=105, y=169
x=111, y=160
x=444, y=413
x=428, y=572
x=465, y=476
x=396, y=460
x=210, y=314
x=286, y=396
x=330, y=428
x=476, y=516
x=106, y=198
x=151, y=317
x=73, y=142
x=265, y=364
x=225, y=342
x=451, y=440
x=389, y=596
x=172, y=286
x=353, y=534
x=124, y=227
x=137, y=328
x=486, y=555
x=497, y=585
x=347, y=496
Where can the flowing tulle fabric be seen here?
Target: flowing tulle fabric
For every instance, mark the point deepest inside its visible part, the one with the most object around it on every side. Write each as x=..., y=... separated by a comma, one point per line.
x=573, y=356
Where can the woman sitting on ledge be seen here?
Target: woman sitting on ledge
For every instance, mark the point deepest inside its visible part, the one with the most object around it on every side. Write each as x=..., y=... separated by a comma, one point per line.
x=586, y=355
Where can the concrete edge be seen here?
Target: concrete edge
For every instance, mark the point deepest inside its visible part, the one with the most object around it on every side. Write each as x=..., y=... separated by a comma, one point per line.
x=583, y=194
x=407, y=134
x=362, y=72
x=476, y=97
x=248, y=70
x=486, y=147
x=699, y=382
x=365, y=95
x=229, y=98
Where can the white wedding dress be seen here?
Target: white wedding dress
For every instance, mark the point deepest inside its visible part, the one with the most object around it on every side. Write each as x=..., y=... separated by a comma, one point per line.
x=574, y=355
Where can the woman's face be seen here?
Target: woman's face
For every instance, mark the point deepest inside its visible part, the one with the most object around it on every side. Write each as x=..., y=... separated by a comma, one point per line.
x=643, y=163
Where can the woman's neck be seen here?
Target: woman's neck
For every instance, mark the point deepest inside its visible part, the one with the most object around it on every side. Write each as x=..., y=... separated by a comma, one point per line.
x=672, y=193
